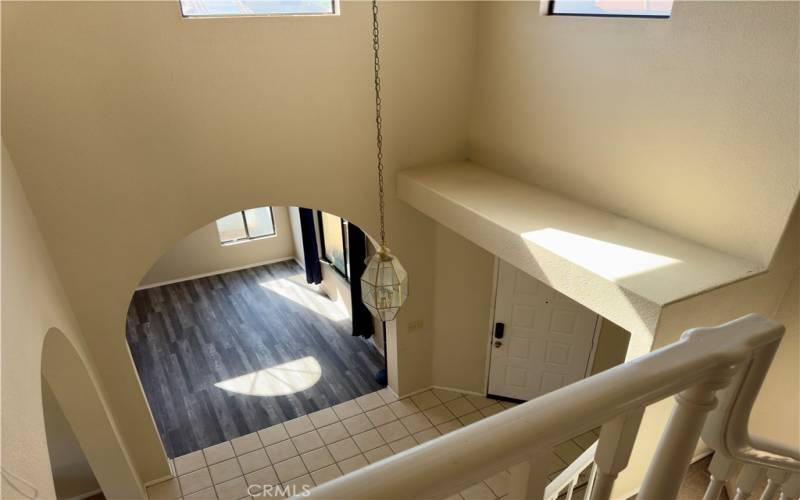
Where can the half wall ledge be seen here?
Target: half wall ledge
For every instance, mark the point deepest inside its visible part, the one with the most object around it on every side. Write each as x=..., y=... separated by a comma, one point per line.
x=619, y=268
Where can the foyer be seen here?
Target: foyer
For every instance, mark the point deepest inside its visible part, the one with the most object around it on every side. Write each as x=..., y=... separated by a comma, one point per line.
x=323, y=445
x=551, y=180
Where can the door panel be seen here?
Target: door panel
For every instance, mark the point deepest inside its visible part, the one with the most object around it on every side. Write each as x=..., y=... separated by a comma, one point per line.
x=548, y=337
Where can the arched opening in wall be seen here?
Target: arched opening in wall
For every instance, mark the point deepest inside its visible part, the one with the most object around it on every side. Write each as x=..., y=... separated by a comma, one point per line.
x=250, y=331
x=72, y=475
x=86, y=453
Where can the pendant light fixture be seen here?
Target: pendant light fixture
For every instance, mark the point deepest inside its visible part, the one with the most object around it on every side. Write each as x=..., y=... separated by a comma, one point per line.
x=384, y=284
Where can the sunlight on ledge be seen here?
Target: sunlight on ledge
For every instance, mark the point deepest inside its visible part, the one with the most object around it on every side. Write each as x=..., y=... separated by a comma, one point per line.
x=280, y=380
x=601, y=257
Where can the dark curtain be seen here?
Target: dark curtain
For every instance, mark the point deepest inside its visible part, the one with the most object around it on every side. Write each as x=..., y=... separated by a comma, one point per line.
x=357, y=254
x=310, y=250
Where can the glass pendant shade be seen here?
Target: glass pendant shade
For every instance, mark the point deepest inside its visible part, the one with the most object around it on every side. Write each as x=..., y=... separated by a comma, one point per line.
x=384, y=285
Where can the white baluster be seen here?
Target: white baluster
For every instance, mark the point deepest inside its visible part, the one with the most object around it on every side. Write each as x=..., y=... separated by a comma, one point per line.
x=791, y=488
x=613, y=451
x=770, y=490
x=748, y=479
x=590, y=484
x=571, y=488
x=722, y=469
x=529, y=479
x=676, y=447
x=775, y=479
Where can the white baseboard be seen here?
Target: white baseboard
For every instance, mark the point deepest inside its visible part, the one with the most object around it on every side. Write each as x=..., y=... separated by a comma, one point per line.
x=214, y=273
x=158, y=480
x=463, y=391
x=414, y=393
x=392, y=391
x=301, y=264
x=428, y=388
x=85, y=495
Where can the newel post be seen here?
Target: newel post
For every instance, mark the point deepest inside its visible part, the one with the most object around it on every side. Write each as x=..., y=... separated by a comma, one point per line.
x=676, y=447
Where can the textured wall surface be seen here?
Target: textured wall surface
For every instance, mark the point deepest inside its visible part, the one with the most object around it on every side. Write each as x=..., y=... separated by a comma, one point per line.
x=689, y=124
x=35, y=308
x=131, y=127
x=464, y=308
x=72, y=475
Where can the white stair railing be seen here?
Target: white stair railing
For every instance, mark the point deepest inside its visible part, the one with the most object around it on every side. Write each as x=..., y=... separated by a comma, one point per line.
x=570, y=478
x=734, y=448
x=778, y=481
x=705, y=360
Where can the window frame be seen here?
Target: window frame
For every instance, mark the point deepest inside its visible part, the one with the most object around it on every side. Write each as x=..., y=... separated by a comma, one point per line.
x=335, y=11
x=249, y=238
x=344, y=273
x=549, y=7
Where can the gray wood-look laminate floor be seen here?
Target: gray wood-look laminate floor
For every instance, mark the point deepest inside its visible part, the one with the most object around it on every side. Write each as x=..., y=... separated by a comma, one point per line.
x=187, y=337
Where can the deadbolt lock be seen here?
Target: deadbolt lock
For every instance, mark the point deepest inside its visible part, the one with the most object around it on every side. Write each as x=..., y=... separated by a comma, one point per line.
x=497, y=343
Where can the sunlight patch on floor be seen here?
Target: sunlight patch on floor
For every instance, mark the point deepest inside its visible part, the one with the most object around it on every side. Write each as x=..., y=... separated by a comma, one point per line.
x=280, y=380
x=309, y=296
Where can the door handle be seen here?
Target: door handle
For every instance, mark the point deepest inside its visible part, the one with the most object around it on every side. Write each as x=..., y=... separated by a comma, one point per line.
x=499, y=330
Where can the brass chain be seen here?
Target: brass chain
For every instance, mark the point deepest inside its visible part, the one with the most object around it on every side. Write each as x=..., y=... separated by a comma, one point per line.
x=378, y=121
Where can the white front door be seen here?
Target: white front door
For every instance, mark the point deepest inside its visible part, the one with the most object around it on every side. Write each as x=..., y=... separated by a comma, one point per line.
x=547, y=340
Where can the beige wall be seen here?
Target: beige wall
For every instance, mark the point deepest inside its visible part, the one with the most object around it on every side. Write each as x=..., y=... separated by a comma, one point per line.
x=141, y=122
x=612, y=344
x=683, y=124
x=24, y=451
x=200, y=253
x=781, y=389
x=132, y=126
x=72, y=475
x=464, y=283
x=35, y=306
x=687, y=124
x=75, y=388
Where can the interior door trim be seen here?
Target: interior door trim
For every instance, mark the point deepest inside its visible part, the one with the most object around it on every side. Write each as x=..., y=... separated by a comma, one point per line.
x=490, y=335
x=490, y=326
x=598, y=326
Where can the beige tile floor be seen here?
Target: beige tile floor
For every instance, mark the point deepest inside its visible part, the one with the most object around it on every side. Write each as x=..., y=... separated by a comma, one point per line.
x=321, y=446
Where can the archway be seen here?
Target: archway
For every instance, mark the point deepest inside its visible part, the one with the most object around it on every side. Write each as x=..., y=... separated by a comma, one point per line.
x=230, y=334
x=72, y=475
x=76, y=393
